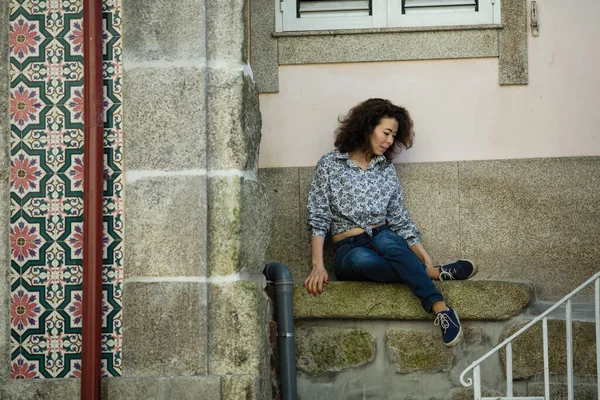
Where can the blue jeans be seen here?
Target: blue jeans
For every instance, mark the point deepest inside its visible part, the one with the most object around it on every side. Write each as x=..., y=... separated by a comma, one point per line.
x=384, y=257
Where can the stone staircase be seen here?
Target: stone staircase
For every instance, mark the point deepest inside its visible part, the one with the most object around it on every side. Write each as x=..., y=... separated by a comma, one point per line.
x=362, y=340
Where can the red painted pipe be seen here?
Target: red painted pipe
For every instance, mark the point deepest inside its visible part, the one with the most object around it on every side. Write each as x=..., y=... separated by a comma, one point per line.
x=92, y=200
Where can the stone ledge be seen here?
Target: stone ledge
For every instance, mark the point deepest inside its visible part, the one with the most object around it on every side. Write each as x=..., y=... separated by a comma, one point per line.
x=472, y=300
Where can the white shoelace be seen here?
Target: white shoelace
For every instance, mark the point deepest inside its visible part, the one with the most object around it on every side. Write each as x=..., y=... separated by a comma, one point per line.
x=447, y=275
x=443, y=320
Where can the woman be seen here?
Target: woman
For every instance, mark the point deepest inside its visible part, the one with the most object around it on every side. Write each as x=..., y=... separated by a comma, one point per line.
x=356, y=194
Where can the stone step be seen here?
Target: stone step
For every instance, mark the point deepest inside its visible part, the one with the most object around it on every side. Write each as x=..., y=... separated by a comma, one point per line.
x=581, y=311
x=472, y=300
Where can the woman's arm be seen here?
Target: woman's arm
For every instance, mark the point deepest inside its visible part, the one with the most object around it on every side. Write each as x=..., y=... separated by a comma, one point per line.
x=319, y=220
x=318, y=275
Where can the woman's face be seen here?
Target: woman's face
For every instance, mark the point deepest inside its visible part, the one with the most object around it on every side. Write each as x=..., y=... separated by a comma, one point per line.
x=383, y=135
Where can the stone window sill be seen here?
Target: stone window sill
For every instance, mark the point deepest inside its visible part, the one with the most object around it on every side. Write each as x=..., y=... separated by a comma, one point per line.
x=387, y=30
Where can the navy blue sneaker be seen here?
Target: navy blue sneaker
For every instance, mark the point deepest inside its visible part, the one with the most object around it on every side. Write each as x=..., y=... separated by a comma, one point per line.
x=450, y=325
x=457, y=271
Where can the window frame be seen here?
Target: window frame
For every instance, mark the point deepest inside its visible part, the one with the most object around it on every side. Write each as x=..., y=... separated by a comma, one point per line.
x=385, y=14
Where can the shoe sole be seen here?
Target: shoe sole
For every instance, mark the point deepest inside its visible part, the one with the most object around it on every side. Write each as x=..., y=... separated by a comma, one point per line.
x=475, y=269
x=458, y=337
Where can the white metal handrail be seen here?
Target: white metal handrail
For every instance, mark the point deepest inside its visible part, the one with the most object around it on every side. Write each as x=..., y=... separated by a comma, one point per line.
x=475, y=366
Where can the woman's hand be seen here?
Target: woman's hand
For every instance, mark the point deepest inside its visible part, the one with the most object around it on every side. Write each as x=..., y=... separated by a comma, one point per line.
x=314, y=282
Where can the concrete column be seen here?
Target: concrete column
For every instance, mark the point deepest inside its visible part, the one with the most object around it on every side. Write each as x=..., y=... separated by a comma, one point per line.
x=237, y=210
x=196, y=228
x=165, y=289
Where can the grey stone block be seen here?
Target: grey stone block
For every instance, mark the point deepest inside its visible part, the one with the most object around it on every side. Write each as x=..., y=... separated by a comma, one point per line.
x=263, y=52
x=367, y=300
x=227, y=30
x=421, y=351
x=162, y=388
x=247, y=387
x=512, y=43
x=238, y=329
x=326, y=349
x=282, y=187
x=487, y=218
x=234, y=124
x=164, y=329
x=150, y=34
x=521, y=217
x=391, y=46
x=165, y=118
x=40, y=389
x=528, y=349
x=239, y=222
x=166, y=226
x=559, y=391
x=467, y=394
x=431, y=196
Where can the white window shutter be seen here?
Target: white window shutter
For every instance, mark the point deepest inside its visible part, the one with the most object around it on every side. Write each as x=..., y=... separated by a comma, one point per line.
x=327, y=14
x=332, y=8
x=439, y=6
x=306, y=15
x=442, y=12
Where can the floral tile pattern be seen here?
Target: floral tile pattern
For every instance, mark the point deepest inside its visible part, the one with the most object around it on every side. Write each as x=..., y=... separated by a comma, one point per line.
x=46, y=184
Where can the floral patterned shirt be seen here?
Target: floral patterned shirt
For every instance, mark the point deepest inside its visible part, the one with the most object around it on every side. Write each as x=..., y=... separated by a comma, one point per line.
x=342, y=196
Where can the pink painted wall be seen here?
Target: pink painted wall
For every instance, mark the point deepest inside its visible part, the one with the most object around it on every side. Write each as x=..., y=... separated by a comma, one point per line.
x=460, y=111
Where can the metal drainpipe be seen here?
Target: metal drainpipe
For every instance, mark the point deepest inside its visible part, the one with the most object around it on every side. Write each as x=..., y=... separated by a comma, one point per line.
x=284, y=304
x=92, y=200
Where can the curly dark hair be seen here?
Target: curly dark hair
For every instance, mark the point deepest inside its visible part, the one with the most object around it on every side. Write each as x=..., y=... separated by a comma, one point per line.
x=354, y=130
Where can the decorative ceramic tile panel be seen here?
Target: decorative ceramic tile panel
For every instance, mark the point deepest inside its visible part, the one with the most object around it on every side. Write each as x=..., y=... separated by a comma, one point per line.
x=46, y=184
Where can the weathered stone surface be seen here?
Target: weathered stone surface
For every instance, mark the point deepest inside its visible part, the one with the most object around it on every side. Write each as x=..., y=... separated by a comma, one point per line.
x=559, y=391
x=431, y=195
x=263, y=53
x=40, y=389
x=227, y=31
x=165, y=118
x=366, y=300
x=387, y=46
x=152, y=35
x=238, y=329
x=474, y=336
x=528, y=355
x=247, y=387
x=520, y=217
x=162, y=388
x=164, y=329
x=323, y=349
x=239, y=222
x=420, y=351
x=467, y=394
x=234, y=124
x=512, y=43
x=282, y=189
x=166, y=226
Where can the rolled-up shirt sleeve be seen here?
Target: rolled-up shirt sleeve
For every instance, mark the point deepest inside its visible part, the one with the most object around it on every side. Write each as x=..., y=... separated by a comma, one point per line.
x=398, y=218
x=319, y=212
